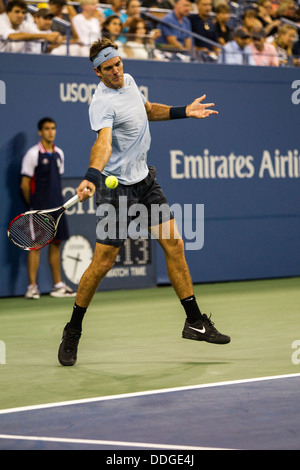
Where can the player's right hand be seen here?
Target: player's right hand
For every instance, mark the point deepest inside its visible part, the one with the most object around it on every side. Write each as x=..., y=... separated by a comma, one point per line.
x=85, y=190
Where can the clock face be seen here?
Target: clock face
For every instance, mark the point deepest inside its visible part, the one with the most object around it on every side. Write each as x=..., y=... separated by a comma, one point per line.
x=77, y=254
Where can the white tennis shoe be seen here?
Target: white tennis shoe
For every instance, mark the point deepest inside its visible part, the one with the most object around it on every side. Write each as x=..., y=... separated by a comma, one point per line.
x=62, y=291
x=33, y=292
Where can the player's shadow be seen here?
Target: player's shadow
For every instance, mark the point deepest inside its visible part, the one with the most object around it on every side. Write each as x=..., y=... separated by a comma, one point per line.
x=13, y=257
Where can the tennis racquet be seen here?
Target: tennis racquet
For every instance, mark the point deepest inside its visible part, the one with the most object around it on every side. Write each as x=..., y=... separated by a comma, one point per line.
x=35, y=229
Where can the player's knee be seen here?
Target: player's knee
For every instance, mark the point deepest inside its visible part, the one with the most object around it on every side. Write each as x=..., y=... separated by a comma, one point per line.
x=174, y=247
x=178, y=246
x=103, y=260
x=101, y=267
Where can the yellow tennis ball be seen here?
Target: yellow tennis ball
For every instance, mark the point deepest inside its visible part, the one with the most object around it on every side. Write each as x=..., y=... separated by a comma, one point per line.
x=111, y=182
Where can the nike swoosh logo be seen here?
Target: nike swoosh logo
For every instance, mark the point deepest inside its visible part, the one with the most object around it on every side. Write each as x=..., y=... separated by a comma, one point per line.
x=105, y=55
x=199, y=331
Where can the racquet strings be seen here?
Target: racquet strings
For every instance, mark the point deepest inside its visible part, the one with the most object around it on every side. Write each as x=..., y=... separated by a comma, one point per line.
x=33, y=230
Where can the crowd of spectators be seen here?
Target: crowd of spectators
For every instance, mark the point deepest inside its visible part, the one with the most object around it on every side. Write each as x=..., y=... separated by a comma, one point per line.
x=263, y=33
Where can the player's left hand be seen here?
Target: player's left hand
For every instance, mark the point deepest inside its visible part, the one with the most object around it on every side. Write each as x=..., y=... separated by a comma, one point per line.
x=199, y=110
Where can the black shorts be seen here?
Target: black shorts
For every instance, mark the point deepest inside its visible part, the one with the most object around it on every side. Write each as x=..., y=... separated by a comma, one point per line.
x=128, y=211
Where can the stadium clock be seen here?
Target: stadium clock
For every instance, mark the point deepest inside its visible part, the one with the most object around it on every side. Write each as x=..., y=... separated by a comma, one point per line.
x=77, y=254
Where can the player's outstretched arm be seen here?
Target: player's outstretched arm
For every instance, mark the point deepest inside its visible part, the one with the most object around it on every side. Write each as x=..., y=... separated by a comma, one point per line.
x=199, y=110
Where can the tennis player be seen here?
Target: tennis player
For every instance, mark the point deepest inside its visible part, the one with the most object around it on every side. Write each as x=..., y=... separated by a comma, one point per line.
x=119, y=114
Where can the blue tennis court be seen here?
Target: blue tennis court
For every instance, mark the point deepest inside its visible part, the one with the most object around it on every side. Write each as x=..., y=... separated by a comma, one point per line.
x=248, y=414
x=138, y=385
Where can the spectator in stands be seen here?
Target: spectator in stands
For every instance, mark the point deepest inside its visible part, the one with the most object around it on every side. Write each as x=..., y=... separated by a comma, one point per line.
x=284, y=42
x=204, y=26
x=88, y=22
x=133, y=10
x=223, y=31
x=65, y=12
x=250, y=20
x=287, y=9
x=269, y=24
x=263, y=52
x=237, y=51
x=16, y=32
x=139, y=45
x=172, y=37
x=112, y=29
x=136, y=37
x=116, y=9
x=57, y=8
x=43, y=22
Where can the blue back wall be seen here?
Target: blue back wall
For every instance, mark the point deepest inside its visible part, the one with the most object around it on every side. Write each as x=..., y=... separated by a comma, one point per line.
x=242, y=165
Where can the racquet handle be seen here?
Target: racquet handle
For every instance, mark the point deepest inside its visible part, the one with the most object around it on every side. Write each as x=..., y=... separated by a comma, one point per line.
x=71, y=202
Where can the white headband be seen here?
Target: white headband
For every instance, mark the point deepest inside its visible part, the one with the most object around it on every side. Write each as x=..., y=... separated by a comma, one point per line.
x=104, y=55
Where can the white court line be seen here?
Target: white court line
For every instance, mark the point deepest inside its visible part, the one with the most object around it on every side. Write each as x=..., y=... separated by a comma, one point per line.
x=145, y=393
x=105, y=443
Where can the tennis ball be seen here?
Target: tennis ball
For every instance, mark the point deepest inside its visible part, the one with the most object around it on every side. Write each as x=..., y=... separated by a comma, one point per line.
x=111, y=182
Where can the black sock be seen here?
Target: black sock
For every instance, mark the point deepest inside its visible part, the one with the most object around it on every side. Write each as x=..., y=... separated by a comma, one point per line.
x=191, y=309
x=77, y=317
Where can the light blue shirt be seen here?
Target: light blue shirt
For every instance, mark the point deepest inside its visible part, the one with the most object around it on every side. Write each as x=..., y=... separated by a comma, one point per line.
x=234, y=55
x=123, y=110
x=108, y=12
x=169, y=31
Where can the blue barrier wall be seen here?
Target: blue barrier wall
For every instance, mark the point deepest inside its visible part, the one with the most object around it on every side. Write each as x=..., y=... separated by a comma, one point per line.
x=243, y=164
